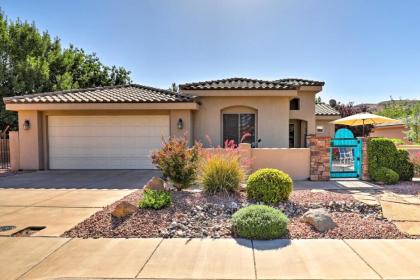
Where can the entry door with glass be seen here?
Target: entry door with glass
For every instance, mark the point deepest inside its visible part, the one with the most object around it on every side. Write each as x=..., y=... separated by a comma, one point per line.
x=239, y=128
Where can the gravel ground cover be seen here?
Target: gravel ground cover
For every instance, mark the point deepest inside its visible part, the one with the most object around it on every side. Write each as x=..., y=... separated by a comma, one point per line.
x=411, y=188
x=194, y=214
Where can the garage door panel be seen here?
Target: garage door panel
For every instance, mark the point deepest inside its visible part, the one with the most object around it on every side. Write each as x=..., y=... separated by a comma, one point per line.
x=108, y=131
x=103, y=163
x=104, y=142
x=103, y=121
x=72, y=152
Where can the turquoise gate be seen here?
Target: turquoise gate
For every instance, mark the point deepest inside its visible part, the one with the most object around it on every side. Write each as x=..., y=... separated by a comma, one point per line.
x=345, y=155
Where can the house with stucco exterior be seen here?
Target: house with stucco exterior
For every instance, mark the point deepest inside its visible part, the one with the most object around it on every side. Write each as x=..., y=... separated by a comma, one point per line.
x=396, y=130
x=117, y=127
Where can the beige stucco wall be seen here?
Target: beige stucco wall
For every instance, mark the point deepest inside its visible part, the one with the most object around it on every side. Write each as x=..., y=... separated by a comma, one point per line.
x=272, y=118
x=30, y=141
x=306, y=111
x=390, y=132
x=187, y=130
x=329, y=128
x=294, y=162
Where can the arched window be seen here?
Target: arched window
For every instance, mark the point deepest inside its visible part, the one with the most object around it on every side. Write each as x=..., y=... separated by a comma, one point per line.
x=295, y=104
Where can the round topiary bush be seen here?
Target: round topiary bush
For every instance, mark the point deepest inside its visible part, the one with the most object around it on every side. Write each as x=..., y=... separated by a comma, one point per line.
x=269, y=185
x=259, y=222
x=386, y=175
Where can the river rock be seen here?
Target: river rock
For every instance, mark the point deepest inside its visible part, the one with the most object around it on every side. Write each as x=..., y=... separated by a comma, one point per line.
x=155, y=184
x=124, y=209
x=319, y=218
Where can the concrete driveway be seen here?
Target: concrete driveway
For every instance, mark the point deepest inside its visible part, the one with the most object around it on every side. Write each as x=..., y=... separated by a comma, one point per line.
x=55, y=201
x=86, y=179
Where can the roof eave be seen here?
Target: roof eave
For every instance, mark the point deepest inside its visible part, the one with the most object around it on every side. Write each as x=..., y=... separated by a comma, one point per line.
x=102, y=106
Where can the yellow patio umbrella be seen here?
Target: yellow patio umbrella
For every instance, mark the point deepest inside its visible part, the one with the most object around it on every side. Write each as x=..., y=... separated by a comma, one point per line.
x=362, y=119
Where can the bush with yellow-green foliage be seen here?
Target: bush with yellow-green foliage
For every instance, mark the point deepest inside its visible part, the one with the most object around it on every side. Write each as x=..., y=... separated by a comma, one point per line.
x=269, y=185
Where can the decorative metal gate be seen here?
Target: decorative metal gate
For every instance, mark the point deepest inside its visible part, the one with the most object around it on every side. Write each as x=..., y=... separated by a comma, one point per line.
x=345, y=155
x=4, y=154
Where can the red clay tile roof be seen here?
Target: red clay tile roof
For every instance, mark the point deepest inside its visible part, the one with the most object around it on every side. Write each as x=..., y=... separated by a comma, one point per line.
x=323, y=109
x=300, y=82
x=113, y=94
x=245, y=83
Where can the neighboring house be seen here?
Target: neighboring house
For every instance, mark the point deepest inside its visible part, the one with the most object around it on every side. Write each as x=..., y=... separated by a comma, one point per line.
x=117, y=127
x=390, y=130
x=324, y=115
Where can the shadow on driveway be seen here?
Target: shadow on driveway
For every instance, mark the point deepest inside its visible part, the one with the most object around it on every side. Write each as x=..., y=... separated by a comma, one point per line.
x=79, y=179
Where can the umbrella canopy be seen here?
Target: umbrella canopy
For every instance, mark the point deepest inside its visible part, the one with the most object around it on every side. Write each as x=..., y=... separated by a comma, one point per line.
x=364, y=118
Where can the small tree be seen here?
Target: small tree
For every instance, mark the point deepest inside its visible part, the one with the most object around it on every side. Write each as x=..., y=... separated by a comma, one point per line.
x=178, y=162
x=174, y=87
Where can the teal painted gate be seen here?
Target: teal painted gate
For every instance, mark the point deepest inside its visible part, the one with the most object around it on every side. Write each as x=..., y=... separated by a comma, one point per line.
x=345, y=155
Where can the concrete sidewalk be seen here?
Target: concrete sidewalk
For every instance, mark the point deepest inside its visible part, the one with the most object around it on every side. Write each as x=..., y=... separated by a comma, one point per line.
x=56, y=258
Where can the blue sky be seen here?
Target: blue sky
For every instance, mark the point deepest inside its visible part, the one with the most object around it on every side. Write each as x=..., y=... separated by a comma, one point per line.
x=364, y=50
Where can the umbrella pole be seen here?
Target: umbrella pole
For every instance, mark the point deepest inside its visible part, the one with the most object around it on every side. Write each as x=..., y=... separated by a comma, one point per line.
x=363, y=128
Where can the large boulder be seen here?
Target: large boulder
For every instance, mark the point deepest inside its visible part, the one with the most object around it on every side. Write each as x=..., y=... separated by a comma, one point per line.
x=123, y=210
x=319, y=218
x=155, y=184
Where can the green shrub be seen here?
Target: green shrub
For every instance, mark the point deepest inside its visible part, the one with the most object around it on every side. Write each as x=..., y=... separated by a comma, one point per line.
x=382, y=152
x=269, y=185
x=221, y=173
x=403, y=166
x=178, y=162
x=155, y=199
x=386, y=175
x=396, y=141
x=259, y=222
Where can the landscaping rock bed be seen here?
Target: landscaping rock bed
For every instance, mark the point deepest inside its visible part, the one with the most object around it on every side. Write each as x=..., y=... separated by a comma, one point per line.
x=193, y=214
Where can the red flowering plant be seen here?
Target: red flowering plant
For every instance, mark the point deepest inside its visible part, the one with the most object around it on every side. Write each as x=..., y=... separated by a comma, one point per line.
x=177, y=161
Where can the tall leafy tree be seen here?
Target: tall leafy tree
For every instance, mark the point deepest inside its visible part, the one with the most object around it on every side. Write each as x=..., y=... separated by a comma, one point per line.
x=31, y=61
x=406, y=111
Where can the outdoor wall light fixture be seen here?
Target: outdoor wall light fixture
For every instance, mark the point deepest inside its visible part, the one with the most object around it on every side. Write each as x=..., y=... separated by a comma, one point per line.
x=180, y=124
x=26, y=125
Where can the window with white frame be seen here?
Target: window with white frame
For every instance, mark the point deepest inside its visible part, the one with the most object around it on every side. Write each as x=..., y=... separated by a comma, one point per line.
x=320, y=129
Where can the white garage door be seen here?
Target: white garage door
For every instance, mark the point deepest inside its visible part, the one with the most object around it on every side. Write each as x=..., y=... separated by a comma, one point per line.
x=104, y=142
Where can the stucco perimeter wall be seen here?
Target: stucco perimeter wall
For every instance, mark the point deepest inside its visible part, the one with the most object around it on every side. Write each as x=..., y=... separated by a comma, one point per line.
x=295, y=162
x=272, y=118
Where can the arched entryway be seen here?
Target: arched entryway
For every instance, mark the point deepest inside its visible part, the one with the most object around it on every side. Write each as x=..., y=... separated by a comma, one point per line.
x=298, y=130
